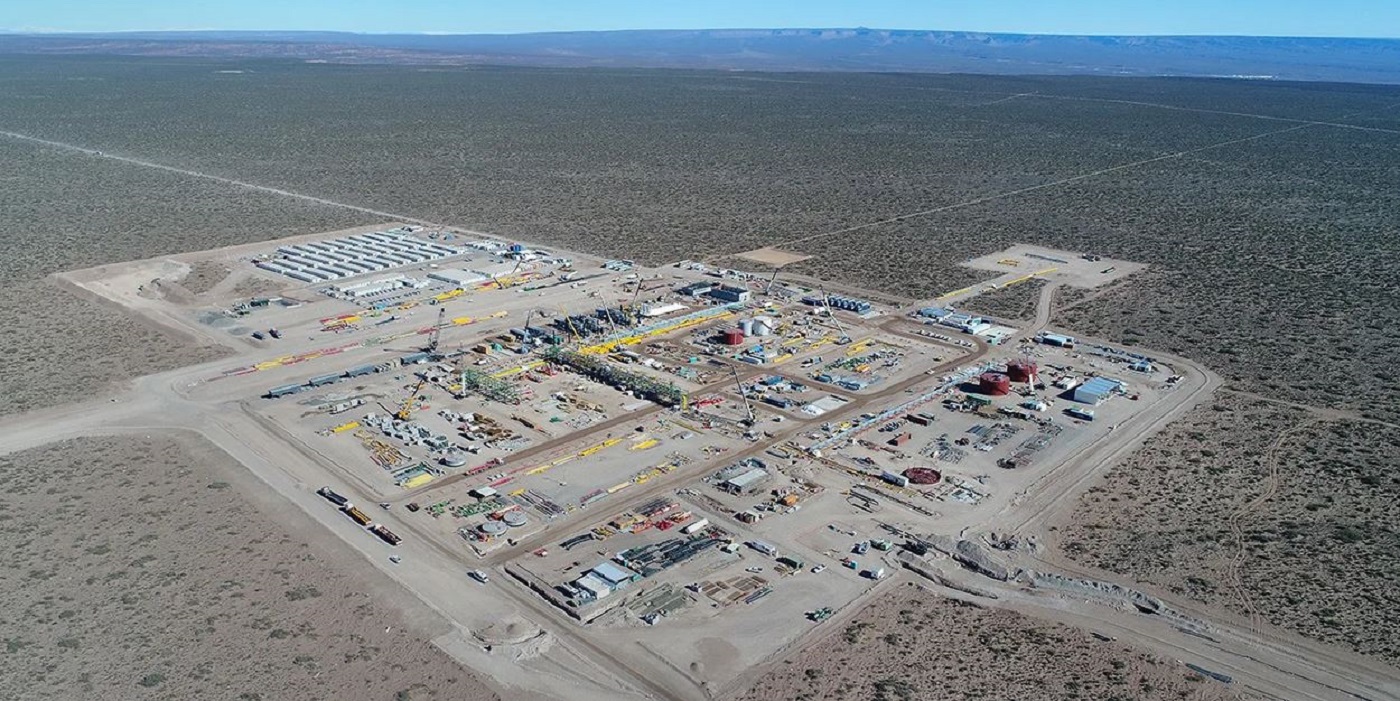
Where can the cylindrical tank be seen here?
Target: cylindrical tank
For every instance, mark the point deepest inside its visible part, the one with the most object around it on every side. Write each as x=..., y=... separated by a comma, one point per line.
x=1021, y=370
x=733, y=337
x=746, y=326
x=923, y=475
x=492, y=528
x=453, y=460
x=762, y=327
x=994, y=384
x=514, y=519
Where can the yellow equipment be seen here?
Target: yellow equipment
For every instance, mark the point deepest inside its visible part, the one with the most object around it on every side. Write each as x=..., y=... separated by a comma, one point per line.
x=406, y=410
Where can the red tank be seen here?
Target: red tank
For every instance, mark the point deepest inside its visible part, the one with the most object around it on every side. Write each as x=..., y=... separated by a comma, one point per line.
x=994, y=384
x=1021, y=370
x=923, y=475
x=733, y=337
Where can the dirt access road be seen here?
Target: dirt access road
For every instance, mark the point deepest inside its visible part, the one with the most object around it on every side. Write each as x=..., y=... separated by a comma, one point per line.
x=575, y=667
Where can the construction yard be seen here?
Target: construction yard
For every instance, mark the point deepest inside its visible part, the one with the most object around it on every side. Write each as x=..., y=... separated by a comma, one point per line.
x=677, y=472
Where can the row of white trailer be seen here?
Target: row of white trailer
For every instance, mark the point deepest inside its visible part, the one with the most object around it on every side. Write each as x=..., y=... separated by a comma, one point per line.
x=333, y=259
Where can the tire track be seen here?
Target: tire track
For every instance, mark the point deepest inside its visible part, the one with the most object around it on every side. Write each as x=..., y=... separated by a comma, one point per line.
x=218, y=179
x=1235, y=567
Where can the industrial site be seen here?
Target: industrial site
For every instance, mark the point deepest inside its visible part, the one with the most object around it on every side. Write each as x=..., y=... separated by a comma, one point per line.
x=686, y=469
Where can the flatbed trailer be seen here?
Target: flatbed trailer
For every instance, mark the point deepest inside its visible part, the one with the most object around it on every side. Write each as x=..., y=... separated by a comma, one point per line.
x=385, y=534
x=356, y=515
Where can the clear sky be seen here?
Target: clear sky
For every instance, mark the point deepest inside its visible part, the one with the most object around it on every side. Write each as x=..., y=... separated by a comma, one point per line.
x=1350, y=18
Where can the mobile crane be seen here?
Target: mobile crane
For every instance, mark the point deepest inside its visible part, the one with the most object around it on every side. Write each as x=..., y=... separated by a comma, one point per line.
x=405, y=411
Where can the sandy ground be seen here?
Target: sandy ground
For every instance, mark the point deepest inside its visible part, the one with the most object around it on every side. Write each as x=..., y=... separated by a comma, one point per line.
x=773, y=257
x=911, y=644
x=142, y=568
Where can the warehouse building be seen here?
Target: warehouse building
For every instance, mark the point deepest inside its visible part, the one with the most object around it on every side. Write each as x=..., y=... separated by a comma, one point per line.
x=696, y=289
x=457, y=277
x=729, y=293
x=1096, y=390
x=746, y=483
x=614, y=576
x=1055, y=339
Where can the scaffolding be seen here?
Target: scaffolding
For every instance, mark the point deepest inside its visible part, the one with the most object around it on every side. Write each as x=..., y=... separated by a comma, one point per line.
x=473, y=380
x=600, y=369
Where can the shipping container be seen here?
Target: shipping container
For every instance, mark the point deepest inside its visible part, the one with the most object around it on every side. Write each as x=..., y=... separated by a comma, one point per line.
x=283, y=391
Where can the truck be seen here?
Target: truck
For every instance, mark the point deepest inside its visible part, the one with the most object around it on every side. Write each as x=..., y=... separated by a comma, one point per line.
x=274, y=333
x=355, y=514
x=334, y=498
x=895, y=479
x=385, y=534
x=764, y=547
x=479, y=576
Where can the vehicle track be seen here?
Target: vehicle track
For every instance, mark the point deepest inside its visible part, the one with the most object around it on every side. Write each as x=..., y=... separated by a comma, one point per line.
x=1235, y=566
x=1032, y=188
x=217, y=178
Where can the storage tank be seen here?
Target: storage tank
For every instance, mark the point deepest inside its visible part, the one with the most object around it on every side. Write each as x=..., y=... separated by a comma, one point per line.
x=492, y=528
x=746, y=326
x=514, y=519
x=994, y=384
x=453, y=460
x=1021, y=370
x=923, y=475
x=733, y=337
x=762, y=326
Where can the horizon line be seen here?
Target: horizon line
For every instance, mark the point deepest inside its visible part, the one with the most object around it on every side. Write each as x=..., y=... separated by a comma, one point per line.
x=63, y=32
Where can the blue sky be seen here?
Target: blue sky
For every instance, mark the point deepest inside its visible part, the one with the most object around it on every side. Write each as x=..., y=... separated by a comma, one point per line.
x=1359, y=18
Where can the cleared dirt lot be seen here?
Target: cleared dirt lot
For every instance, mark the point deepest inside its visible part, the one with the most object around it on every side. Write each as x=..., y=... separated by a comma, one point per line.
x=141, y=569
x=63, y=210
x=1262, y=509
x=910, y=644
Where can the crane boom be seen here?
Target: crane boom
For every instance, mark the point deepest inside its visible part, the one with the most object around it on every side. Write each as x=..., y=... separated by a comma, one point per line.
x=500, y=284
x=826, y=300
x=406, y=409
x=436, y=334
x=748, y=408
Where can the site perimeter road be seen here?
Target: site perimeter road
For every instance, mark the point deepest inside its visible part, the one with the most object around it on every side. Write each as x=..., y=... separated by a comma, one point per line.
x=155, y=403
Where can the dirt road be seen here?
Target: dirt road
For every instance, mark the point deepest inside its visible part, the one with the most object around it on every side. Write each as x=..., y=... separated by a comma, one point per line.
x=1271, y=662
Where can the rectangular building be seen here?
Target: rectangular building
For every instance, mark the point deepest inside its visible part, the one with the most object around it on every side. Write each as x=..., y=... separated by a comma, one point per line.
x=457, y=277
x=747, y=482
x=1096, y=390
x=730, y=293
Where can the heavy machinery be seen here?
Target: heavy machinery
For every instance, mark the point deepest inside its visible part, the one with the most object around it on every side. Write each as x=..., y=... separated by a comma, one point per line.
x=845, y=337
x=435, y=336
x=509, y=279
x=749, y=418
x=406, y=409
